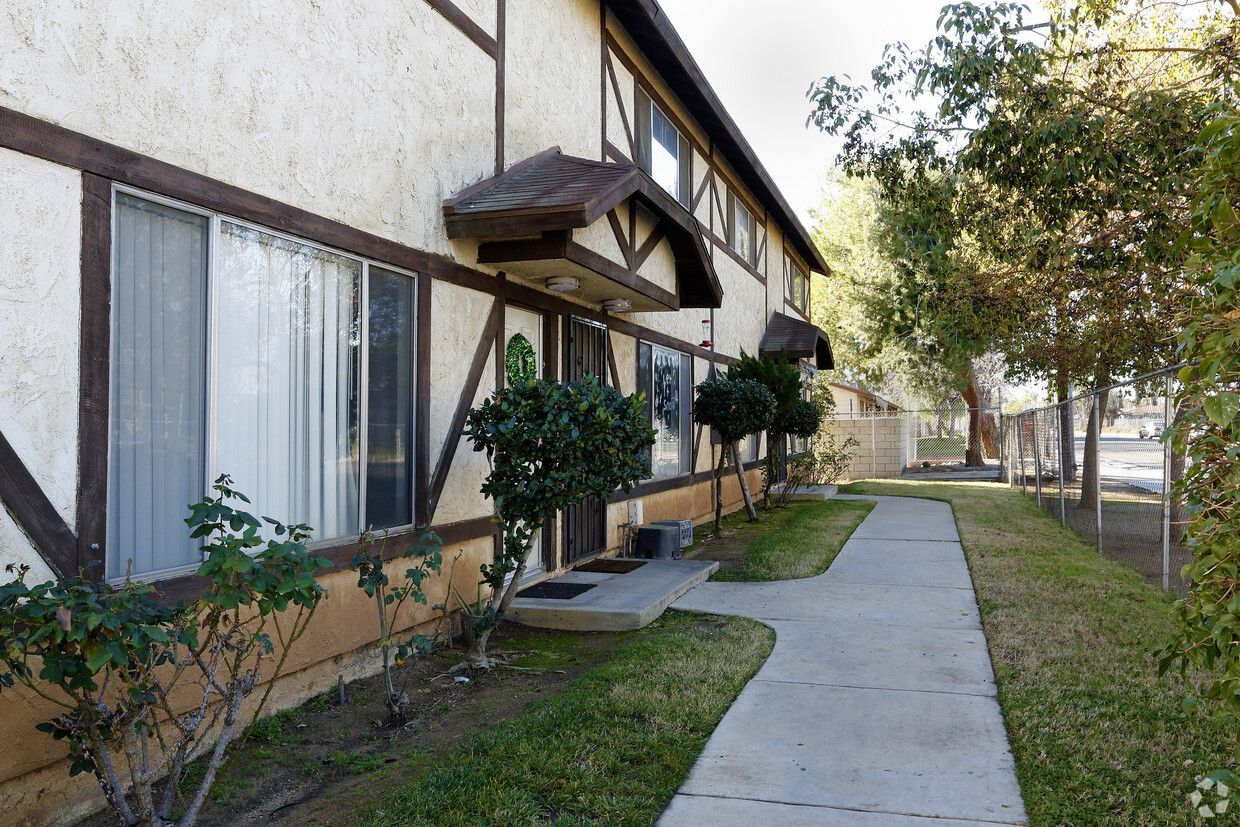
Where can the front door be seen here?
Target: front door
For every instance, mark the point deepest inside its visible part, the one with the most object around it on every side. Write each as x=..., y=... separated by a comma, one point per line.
x=585, y=525
x=528, y=325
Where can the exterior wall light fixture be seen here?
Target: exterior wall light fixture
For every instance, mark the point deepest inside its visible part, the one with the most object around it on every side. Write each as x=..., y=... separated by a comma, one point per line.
x=616, y=305
x=563, y=284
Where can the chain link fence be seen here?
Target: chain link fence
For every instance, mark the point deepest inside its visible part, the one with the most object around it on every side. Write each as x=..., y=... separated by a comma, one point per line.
x=1098, y=464
x=896, y=443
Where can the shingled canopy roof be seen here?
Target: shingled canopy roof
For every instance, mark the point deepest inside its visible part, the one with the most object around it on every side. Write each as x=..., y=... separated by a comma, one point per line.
x=551, y=193
x=799, y=338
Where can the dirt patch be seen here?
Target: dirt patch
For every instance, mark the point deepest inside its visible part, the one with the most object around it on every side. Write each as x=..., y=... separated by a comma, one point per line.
x=732, y=548
x=322, y=762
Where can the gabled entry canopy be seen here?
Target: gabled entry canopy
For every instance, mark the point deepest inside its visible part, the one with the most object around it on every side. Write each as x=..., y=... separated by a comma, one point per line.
x=525, y=218
x=800, y=339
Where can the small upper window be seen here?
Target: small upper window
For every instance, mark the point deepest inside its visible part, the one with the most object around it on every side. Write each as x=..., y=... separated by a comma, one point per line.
x=743, y=231
x=798, y=286
x=662, y=151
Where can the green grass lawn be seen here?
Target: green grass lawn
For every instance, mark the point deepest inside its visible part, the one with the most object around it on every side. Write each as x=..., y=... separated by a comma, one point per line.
x=934, y=447
x=611, y=749
x=1098, y=738
x=787, y=543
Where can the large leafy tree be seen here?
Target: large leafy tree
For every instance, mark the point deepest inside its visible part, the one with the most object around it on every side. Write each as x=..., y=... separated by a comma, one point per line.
x=1067, y=150
x=1208, y=430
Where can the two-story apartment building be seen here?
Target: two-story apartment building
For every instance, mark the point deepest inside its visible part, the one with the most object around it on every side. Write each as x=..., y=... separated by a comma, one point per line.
x=293, y=243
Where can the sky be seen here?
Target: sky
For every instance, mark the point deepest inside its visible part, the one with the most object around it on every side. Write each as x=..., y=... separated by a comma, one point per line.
x=761, y=59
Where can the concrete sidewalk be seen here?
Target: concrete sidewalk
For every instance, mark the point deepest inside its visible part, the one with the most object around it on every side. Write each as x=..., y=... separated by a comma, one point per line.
x=877, y=706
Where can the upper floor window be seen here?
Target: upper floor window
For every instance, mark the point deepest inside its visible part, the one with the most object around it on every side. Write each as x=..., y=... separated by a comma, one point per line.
x=662, y=151
x=666, y=377
x=798, y=286
x=235, y=350
x=742, y=230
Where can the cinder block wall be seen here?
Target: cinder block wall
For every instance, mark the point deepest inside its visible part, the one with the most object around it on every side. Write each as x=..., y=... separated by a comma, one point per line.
x=880, y=452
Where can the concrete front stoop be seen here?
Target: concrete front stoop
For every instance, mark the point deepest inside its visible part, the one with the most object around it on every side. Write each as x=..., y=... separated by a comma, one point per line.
x=618, y=602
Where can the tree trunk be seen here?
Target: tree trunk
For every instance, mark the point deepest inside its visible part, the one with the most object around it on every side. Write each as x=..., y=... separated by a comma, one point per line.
x=973, y=456
x=723, y=455
x=1179, y=517
x=476, y=657
x=1067, y=433
x=1090, y=473
x=740, y=475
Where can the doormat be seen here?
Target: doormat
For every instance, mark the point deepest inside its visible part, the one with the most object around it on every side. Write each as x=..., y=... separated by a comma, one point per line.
x=551, y=590
x=611, y=566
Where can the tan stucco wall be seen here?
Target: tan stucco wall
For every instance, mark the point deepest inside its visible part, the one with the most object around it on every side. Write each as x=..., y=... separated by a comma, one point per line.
x=324, y=106
x=40, y=239
x=552, y=91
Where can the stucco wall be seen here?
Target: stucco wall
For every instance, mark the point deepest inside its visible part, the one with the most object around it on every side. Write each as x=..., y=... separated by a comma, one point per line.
x=552, y=93
x=742, y=320
x=458, y=318
x=40, y=239
x=324, y=106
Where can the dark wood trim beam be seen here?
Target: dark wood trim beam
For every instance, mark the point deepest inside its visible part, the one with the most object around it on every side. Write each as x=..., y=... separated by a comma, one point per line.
x=616, y=154
x=467, y=26
x=707, y=180
x=624, y=117
x=34, y=513
x=466, y=400
x=552, y=244
x=500, y=81
x=94, y=358
x=649, y=245
x=720, y=244
x=189, y=587
x=606, y=267
x=41, y=139
x=422, y=406
x=697, y=444
x=611, y=363
x=618, y=231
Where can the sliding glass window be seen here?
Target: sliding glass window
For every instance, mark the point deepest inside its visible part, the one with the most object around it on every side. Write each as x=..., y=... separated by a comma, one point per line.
x=280, y=380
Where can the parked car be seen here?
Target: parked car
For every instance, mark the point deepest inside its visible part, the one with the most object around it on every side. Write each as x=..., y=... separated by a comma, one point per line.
x=1150, y=430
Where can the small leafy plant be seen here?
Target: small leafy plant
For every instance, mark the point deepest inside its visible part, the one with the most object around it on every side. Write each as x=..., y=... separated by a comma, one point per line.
x=147, y=684
x=735, y=408
x=550, y=446
x=426, y=555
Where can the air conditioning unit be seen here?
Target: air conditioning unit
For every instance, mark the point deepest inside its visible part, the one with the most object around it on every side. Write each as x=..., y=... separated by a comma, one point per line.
x=658, y=542
x=684, y=526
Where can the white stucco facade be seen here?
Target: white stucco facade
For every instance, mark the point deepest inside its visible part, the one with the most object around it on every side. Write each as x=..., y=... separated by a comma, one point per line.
x=347, y=126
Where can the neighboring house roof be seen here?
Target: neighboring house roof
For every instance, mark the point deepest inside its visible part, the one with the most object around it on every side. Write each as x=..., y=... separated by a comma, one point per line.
x=551, y=194
x=800, y=339
x=876, y=399
x=653, y=32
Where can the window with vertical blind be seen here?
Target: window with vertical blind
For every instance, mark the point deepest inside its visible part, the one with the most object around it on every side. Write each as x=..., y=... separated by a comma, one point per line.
x=235, y=350
x=662, y=151
x=666, y=377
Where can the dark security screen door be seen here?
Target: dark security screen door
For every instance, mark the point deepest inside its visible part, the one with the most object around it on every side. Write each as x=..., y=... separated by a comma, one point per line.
x=585, y=524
